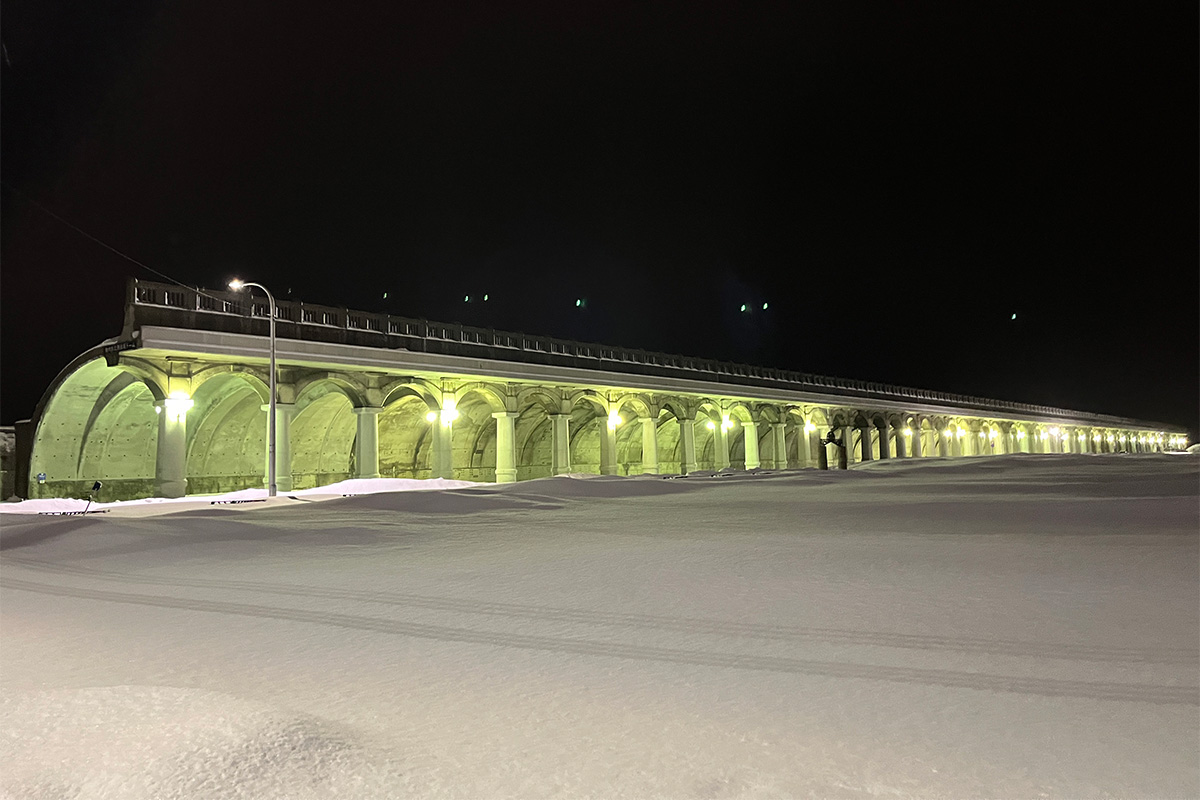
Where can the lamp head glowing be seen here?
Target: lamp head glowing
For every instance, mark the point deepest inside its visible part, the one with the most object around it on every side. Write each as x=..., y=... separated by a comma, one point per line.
x=727, y=423
x=614, y=418
x=177, y=405
x=431, y=416
x=236, y=284
x=808, y=426
x=908, y=431
x=710, y=425
x=449, y=410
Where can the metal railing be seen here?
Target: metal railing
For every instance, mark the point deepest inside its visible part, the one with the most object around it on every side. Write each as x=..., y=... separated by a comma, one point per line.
x=512, y=345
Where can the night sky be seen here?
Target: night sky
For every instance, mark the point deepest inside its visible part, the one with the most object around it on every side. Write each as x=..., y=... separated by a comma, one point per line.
x=895, y=181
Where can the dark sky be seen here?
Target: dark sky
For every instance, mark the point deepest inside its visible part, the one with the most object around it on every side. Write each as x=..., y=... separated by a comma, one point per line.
x=894, y=180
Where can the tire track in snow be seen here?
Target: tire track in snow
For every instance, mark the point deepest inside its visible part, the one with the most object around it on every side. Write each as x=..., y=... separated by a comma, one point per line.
x=1049, y=687
x=752, y=630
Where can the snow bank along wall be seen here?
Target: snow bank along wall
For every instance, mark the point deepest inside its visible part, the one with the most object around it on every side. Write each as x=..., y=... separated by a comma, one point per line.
x=177, y=404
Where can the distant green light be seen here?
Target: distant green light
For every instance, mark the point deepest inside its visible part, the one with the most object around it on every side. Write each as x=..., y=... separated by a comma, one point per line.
x=1014, y=316
x=578, y=303
x=466, y=298
x=764, y=306
x=485, y=298
x=743, y=306
x=385, y=295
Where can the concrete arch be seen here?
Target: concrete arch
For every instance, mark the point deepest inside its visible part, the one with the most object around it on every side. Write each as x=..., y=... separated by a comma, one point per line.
x=678, y=408
x=586, y=427
x=548, y=399
x=590, y=397
x=741, y=412
x=770, y=413
x=492, y=394
x=405, y=436
x=96, y=422
x=226, y=433
x=157, y=381
x=322, y=433
x=259, y=379
x=640, y=404
x=354, y=391
x=473, y=433
x=427, y=391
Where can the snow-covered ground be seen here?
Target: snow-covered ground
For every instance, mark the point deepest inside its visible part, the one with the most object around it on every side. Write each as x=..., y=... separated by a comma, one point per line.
x=73, y=505
x=1019, y=626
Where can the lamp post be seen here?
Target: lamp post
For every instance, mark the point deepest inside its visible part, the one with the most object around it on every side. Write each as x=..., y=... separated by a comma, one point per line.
x=237, y=286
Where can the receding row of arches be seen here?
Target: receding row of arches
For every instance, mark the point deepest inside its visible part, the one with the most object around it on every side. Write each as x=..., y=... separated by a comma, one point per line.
x=150, y=428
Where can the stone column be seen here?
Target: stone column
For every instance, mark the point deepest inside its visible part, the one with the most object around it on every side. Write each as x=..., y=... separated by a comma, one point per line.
x=816, y=448
x=720, y=446
x=170, y=462
x=750, y=440
x=608, y=447
x=902, y=443
x=441, y=462
x=366, y=442
x=649, y=446
x=866, y=448
x=506, y=447
x=885, y=442
x=943, y=443
x=846, y=457
x=687, y=446
x=283, y=445
x=779, y=444
x=804, y=445
x=560, y=444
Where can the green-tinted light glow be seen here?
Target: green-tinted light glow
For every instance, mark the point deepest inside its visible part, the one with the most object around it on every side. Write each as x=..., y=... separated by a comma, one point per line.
x=1014, y=316
x=385, y=295
x=466, y=298
x=578, y=303
x=743, y=307
x=764, y=306
x=485, y=298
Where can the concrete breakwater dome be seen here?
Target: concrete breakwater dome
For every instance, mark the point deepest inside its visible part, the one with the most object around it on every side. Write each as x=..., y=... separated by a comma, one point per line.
x=177, y=405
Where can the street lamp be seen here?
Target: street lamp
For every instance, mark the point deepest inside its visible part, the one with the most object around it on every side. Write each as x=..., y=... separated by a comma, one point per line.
x=237, y=286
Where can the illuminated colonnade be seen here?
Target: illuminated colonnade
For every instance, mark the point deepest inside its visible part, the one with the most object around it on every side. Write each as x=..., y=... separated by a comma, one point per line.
x=169, y=425
x=178, y=403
